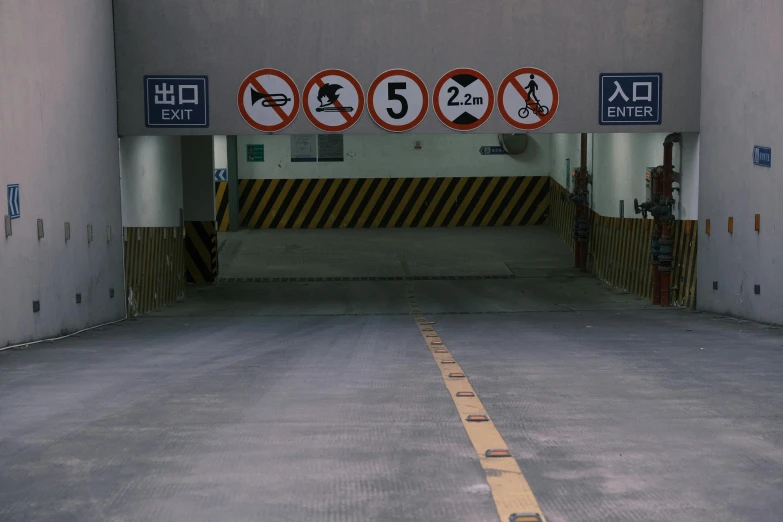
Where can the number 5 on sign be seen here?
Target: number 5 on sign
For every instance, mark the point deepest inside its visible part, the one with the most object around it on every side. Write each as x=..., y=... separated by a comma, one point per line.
x=398, y=100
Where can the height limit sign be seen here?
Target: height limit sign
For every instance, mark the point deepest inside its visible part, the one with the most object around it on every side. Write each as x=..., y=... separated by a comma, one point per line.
x=463, y=99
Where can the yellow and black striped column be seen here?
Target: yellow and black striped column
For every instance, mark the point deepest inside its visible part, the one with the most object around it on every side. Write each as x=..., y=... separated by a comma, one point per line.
x=393, y=202
x=221, y=205
x=201, y=252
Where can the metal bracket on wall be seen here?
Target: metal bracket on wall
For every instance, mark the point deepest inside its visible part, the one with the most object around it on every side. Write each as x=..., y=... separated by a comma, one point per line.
x=108, y=233
x=67, y=231
x=40, y=229
x=89, y=233
x=8, y=230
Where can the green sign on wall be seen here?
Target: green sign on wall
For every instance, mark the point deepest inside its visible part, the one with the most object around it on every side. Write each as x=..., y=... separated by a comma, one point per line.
x=255, y=153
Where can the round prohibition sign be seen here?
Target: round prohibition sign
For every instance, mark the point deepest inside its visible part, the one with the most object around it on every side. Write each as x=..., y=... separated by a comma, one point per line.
x=333, y=100
x=463, y=99
x=397, y=100
x=528, y=98
x=268, y=100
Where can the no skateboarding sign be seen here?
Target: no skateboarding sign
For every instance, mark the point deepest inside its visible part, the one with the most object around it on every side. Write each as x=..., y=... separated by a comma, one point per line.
x=528, y=98
x=333, y=100
x=463, y=99
x=397, y=100
x=268, y=100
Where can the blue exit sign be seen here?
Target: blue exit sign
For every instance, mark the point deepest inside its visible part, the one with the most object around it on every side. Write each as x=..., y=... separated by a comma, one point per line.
x=176, y=101
x=762, y=156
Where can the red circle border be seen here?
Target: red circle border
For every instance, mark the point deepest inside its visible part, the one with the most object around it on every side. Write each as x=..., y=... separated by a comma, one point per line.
x=439, y=86
x=352, y=80
x=555, y=98
x=378, y=120
x=241, y=106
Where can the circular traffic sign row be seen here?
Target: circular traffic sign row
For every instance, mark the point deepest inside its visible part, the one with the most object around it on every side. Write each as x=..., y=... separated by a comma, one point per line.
x=333, y=100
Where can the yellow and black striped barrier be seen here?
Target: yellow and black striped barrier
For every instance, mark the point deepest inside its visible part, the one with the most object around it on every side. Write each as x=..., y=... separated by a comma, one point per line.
x=393, y=202
x=201, y=252
x=562, y=213
x=221, y=205
x=619, y=250
x=154, y=268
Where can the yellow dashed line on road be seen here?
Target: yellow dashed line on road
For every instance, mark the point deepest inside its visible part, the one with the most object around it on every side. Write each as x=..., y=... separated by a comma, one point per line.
x=510, y=489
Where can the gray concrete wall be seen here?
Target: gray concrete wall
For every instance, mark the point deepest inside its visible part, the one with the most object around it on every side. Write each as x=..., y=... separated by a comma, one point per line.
x=58, y=140
x=198, y=178
x=742, y=106
x=573, y=40
x=395, y=155
x=152, y=193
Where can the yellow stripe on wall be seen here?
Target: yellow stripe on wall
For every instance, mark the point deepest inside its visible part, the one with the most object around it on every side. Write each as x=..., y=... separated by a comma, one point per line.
x=154, y=268
x=619, y=249
x=393, y=202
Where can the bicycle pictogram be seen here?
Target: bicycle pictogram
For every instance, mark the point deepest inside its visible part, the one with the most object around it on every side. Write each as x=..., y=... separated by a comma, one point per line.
x=535, y=108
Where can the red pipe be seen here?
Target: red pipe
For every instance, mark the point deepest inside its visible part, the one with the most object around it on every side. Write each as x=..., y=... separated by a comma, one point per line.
x=667, y=236
x=583, y=152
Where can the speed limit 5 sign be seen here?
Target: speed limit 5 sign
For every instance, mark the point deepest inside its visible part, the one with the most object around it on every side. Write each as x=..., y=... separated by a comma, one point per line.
x=397, y=100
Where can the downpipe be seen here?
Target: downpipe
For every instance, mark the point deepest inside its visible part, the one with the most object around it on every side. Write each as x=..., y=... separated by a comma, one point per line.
x=580, y=196
x=661, y=206
x=666, y=256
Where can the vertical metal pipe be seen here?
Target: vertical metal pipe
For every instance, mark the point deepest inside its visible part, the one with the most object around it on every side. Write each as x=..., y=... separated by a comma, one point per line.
x=583, y=153
x=233, y=184
x=657, y=281
x=665, y=266
x=580, y=250
x=656, y=237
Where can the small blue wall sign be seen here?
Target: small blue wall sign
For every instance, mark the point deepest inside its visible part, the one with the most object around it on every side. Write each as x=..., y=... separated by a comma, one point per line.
x=762, y=156
x=492, y=150
x=14, y=211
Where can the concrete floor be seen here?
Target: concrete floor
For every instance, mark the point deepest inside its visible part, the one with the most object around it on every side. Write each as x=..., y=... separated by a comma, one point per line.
x=290, y=401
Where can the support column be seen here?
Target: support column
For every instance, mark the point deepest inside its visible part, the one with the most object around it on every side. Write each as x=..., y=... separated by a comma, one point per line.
x=233, y=184
x=580, y=197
